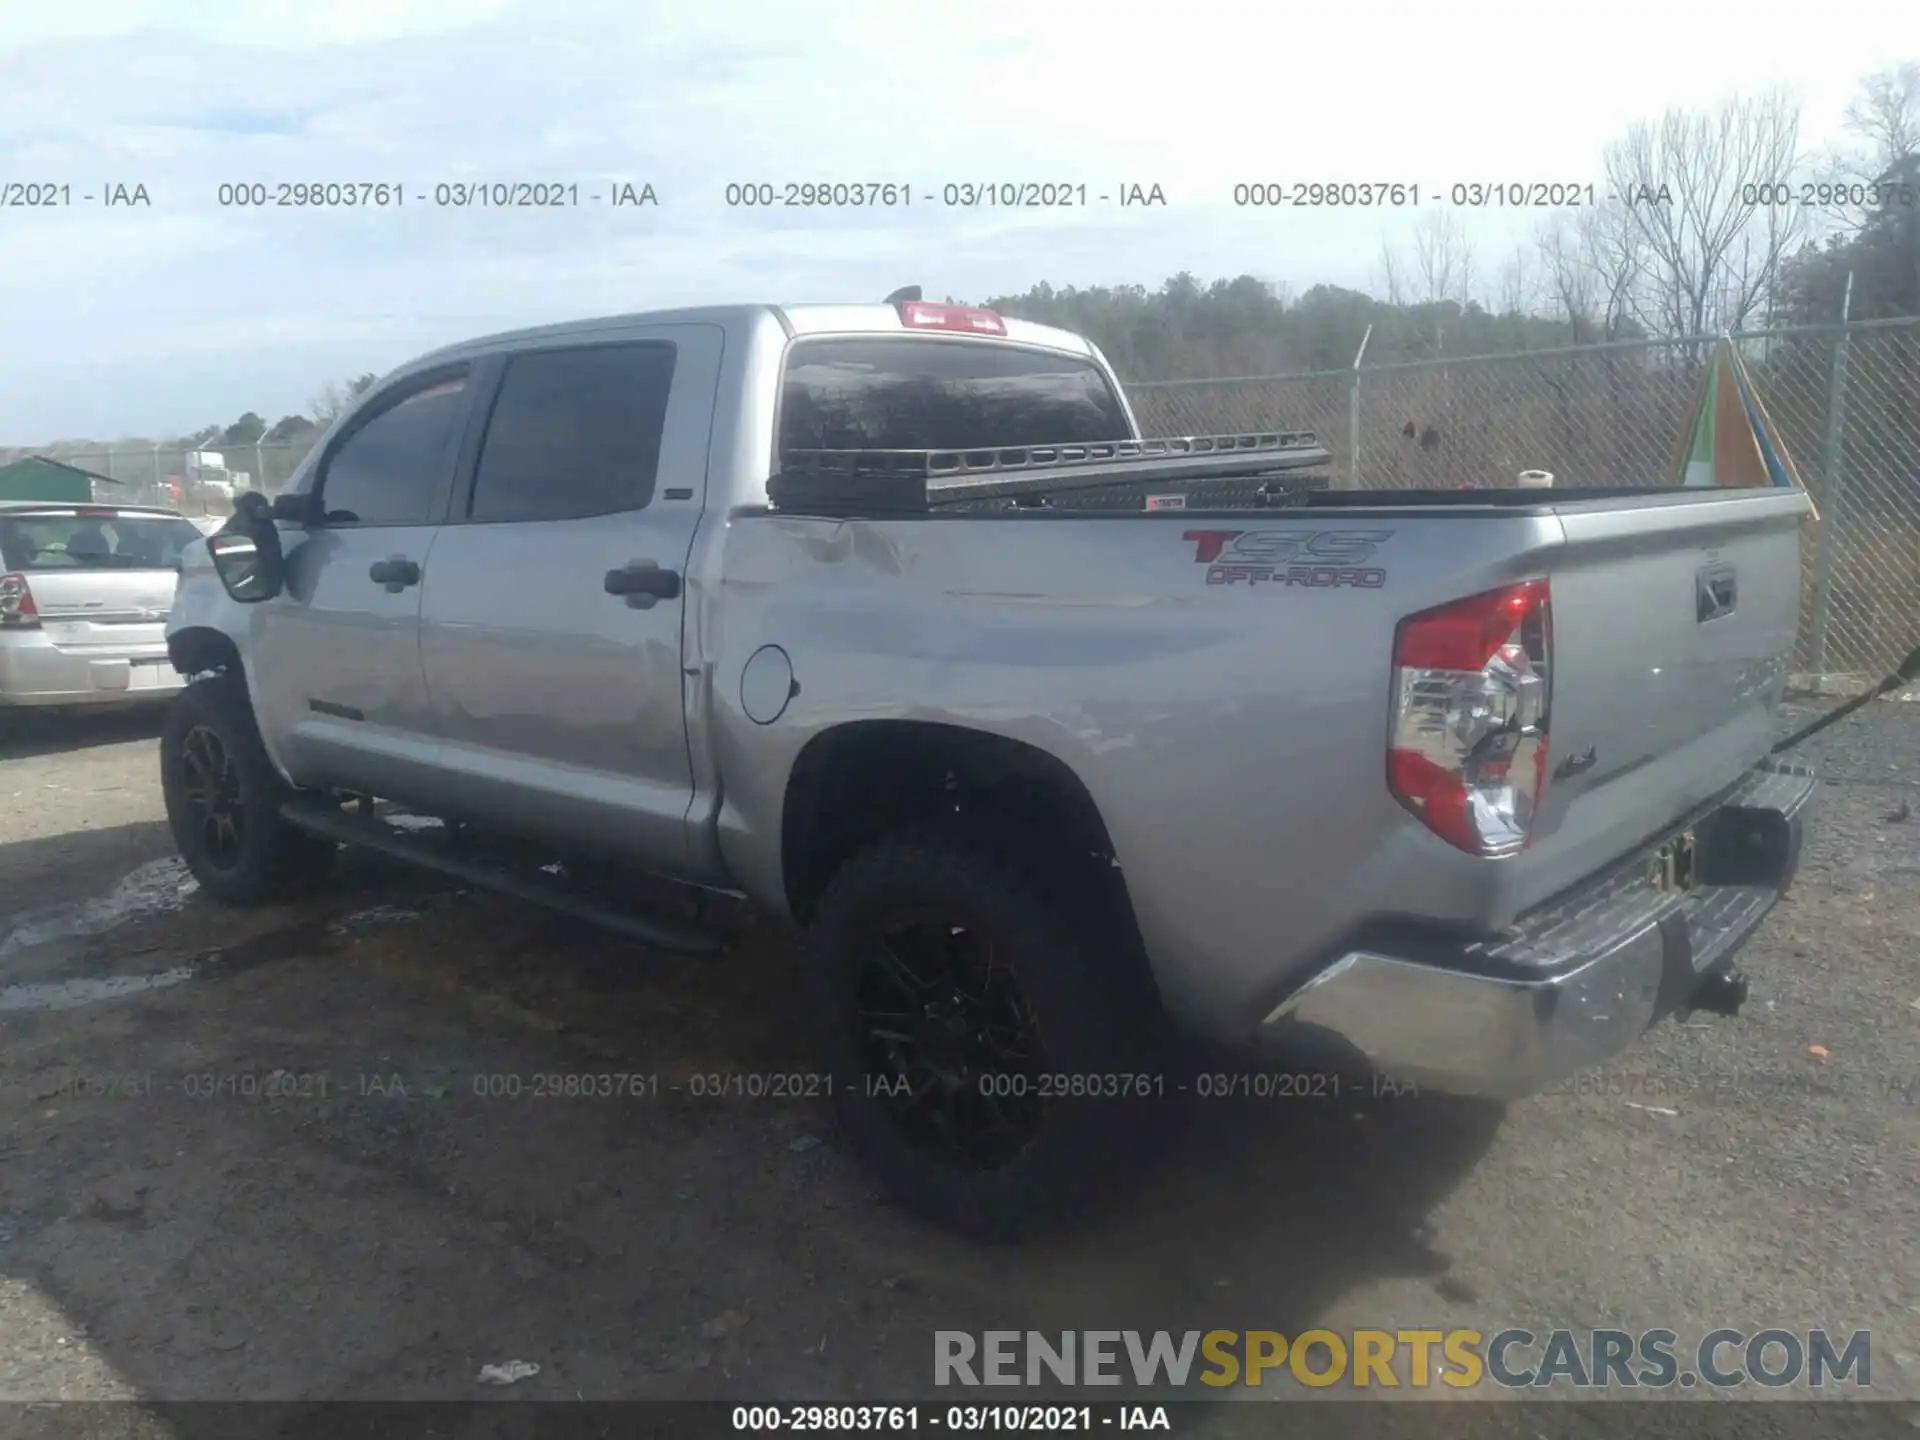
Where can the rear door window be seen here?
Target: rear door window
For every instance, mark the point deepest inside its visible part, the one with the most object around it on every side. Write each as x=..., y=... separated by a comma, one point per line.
x=574, y=433
x=922, y=393
x=94, y=542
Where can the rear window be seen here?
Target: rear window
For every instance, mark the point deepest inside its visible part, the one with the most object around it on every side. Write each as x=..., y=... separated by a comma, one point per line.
x=84, y=542
x=925, y=394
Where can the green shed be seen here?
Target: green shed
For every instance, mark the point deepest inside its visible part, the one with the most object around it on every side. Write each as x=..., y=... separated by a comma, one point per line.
x=37, y=477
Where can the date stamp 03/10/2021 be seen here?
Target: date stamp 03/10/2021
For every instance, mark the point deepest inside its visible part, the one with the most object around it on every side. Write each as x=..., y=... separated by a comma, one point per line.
x=305, y=1084
x=741, y=197
x=1313, y=1087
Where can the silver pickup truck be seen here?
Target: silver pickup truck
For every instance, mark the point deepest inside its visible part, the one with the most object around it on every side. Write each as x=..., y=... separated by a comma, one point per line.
x=1056, y=741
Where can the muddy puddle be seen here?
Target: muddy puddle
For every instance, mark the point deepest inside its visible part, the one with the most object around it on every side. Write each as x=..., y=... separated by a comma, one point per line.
x=152, y=891
x=157, y=888
x=72, y=994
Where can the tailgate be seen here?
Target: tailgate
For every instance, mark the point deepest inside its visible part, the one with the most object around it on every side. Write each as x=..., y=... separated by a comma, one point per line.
x=1672, y=623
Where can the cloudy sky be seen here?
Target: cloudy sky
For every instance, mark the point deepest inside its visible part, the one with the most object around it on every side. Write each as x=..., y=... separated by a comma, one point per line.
x=159, y=319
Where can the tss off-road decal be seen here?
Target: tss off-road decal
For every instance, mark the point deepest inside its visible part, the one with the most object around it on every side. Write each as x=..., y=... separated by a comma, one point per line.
x=1318, y=559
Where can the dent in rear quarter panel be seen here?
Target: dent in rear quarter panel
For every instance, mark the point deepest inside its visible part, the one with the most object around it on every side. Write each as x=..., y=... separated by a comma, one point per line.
x=1232, y=736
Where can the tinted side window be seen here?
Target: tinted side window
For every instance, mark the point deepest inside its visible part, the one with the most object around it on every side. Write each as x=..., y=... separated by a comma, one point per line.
x=386, y=472
x=574, y=432
x=928, y=394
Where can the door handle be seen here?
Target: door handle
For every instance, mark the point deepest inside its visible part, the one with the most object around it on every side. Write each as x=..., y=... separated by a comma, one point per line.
x=396, y=572
x=1716, y=593
x=643, y=583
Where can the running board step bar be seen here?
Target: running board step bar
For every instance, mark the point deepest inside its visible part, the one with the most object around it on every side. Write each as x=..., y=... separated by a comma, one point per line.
x=330, y=822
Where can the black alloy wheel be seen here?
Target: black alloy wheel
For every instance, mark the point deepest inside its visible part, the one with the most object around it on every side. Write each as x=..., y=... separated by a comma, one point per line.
x=223, y=799
x=210, y=791
x=952, y=1042
x=980, y=1045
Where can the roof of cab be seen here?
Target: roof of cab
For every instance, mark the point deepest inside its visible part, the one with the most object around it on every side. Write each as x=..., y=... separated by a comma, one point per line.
x=885, y=320
x=797, y=320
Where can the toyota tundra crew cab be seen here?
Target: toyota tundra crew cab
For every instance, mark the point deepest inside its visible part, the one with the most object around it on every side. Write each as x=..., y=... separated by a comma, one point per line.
x=1056, y=741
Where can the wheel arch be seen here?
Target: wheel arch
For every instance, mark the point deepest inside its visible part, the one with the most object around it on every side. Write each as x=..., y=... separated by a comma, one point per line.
x=201, y=650
x=859, y=781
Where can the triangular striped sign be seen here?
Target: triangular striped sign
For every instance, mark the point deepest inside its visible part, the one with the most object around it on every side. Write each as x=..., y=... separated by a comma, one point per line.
x=1731, y=442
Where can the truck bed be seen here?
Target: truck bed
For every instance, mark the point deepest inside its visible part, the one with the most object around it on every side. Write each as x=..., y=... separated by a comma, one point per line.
x=1221, y=679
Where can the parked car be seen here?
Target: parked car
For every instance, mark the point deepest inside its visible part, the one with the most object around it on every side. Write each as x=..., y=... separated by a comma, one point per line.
x=1057, y=741
x=84, y=596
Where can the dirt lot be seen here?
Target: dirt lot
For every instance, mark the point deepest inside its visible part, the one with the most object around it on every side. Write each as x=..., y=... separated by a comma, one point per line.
x=397, y=1218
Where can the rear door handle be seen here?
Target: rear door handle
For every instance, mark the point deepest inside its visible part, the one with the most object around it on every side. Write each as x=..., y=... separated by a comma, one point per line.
x=643, y=583
x=396, y=572
x=1716, y=593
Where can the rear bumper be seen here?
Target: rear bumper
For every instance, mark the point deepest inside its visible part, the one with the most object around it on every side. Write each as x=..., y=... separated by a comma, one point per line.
x=1571, y=984
x=35, y=671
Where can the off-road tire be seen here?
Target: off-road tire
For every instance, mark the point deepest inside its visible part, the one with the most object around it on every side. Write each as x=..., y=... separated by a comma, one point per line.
x=1087, y=1026
x=270, y=859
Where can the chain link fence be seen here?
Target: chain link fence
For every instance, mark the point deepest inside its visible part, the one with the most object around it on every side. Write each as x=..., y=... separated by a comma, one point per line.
x=1845, y=400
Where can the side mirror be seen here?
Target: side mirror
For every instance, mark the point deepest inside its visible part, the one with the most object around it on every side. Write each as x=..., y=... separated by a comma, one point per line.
x=246, y=552
x=294, y=509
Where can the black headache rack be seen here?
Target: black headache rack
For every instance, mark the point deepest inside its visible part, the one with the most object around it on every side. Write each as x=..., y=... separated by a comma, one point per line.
x=1258, y=470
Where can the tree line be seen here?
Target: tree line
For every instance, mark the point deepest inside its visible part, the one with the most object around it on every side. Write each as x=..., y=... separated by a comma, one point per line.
x=1722, y=224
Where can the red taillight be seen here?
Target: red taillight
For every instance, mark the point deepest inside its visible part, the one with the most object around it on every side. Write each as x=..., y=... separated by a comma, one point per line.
x=17, y=610
x=1467, y=752
x=1466, y=634
x=925, y=315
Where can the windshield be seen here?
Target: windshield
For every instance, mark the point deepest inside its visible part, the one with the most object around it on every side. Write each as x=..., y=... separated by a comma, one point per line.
x=920, y=393
x=94, y=542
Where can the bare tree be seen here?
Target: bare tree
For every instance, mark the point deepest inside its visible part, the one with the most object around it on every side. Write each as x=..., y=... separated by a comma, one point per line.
x=1441, y=269
x=1886, y=115
x=1616, y=257
x=1442, y=259
x=327, y=405
x=1882, y=123
x=1698, y=187
x=1391, y=273
x=1465, y=288
x=1517, y=285
x=336, y=396
x=1592, y=263
x=1568, y=273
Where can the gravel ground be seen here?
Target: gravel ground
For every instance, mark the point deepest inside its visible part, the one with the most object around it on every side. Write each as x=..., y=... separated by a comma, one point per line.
x=394, y=1220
